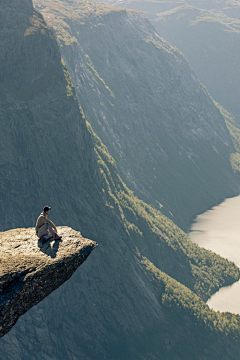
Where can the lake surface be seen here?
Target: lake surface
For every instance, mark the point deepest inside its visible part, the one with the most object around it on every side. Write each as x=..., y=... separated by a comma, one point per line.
x=218, y=230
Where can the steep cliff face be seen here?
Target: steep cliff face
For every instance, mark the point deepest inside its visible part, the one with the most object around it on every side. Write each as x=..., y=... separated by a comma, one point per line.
x=142, y=98
x=39, y=115
x=207, y=32
x=118, y=305
x=31, y=270
x=210, y=40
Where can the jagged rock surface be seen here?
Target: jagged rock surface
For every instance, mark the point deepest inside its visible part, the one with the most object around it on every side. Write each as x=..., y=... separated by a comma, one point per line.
x=31, y=270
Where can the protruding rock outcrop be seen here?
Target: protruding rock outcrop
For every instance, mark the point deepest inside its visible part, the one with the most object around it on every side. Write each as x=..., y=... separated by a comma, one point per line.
x=31, y=270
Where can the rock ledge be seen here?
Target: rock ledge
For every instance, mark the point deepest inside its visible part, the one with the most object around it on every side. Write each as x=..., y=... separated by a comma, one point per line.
x=30, y=270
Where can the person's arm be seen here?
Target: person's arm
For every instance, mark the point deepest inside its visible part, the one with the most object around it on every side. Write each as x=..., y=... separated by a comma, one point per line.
x=52, y=225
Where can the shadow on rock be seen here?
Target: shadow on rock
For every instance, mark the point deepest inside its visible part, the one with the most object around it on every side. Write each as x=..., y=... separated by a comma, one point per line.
x=47, y=248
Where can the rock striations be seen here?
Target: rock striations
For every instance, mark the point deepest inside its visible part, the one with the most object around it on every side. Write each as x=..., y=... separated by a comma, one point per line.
x=31, y=270
x=41, y=126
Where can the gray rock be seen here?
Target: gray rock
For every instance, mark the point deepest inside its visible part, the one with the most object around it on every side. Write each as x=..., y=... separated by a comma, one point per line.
x=31, y=270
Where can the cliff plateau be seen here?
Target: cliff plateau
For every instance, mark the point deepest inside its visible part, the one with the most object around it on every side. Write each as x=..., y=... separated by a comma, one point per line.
x=31, y=270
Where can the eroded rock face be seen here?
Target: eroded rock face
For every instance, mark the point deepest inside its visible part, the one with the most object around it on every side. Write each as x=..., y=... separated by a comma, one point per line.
x=37, y=101
x=31, y=270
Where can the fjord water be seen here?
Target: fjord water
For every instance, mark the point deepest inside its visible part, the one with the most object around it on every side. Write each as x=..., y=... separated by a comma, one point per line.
x=218, y=230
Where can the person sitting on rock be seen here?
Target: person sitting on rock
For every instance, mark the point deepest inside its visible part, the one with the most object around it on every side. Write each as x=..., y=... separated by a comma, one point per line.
x=45, y=228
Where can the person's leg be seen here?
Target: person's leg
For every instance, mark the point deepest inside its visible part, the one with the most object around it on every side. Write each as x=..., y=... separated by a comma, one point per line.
x=53, y=234
x=51, y=231
x=43, y=231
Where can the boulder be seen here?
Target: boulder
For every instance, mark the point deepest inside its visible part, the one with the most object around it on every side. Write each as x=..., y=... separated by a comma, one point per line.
x=31, y=270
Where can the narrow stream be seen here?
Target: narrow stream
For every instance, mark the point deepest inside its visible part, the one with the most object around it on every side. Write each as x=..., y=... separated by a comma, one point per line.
x=218, y=230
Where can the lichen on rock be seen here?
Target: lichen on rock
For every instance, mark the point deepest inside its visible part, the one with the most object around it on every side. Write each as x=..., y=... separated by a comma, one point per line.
x=31, y=270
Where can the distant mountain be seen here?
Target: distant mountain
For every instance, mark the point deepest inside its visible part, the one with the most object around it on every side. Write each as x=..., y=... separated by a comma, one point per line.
x=210, y=39
x=208, y=34
x=140, y=295
x=165, y=5
x=170, y=142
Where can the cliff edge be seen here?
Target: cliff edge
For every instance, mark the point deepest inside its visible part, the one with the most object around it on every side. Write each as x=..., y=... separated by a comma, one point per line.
x=31, y=270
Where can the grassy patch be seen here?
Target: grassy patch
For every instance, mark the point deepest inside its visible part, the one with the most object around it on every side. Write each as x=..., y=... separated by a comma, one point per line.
x=36, y=24
x=94, y=72
x=69, y=85
x=234, y=130
x=150, y=41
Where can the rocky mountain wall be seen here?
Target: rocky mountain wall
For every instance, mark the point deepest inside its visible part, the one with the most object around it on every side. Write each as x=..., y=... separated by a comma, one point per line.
x=142, y=98
x=210, y=41
x=39, y=115
x=207, y=32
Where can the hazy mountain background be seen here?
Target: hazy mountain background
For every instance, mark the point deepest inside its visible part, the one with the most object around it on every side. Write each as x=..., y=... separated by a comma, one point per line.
x=141, y=294
x=208, y=34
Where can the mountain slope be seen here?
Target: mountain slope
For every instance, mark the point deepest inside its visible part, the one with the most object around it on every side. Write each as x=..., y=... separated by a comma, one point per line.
x=170, y=142
x=116, y=306
x=210, y=40
x=165, y=244
x=207, y=32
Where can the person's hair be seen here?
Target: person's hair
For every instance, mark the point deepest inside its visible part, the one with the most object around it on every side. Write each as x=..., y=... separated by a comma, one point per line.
x=46, y=208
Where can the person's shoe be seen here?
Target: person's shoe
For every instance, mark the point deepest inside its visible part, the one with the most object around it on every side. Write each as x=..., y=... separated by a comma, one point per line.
x=56, y=237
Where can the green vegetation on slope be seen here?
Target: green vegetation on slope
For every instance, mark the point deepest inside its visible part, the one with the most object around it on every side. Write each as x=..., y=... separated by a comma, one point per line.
x=95, y=74
x=184, y=302
x=234, y=129
x=146, y=227
x=197, y=16
x=60, y=15
x=69, y=87
x=156, y=236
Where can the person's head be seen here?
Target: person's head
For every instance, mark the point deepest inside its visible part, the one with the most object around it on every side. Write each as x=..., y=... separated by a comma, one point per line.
x=46, y=209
